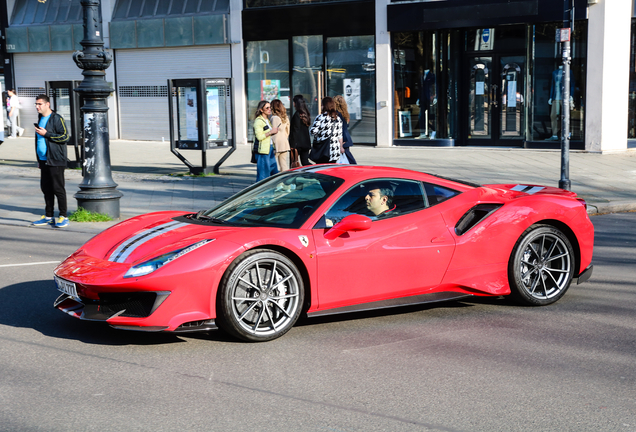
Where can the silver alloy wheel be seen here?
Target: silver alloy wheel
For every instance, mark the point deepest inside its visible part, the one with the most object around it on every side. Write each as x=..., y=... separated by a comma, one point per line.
x=544, y=265
x=264, y=296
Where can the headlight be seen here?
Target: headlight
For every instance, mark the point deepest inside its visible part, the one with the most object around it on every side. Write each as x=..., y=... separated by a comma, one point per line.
x=149, y=266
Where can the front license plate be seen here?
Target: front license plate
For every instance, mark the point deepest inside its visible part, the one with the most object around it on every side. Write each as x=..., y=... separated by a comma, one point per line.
x=66, y=287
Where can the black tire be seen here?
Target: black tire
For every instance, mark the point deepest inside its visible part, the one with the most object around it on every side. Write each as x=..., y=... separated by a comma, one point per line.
x=258, y=309
x=541, y=266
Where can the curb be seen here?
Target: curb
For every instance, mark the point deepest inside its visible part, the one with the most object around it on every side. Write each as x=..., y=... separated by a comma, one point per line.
x=610, y=207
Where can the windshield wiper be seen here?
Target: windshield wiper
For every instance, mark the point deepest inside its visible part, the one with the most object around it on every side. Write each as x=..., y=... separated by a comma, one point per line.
x=201, y=216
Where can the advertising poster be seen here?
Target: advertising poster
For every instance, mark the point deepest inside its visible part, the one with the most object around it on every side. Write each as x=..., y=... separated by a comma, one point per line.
x=351, y=91
x=485, y=39
x=512, y=94
x=405, y=124
x=270, y=90
x=214, y=116
x=479, y=88
x=192, y=131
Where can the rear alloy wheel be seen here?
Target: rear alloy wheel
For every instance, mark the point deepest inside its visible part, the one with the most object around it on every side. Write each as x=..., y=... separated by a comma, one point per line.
x=261, y=296
x=541, y=267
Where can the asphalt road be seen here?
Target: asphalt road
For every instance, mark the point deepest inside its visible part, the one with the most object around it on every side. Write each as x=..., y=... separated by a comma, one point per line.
x=465, y=366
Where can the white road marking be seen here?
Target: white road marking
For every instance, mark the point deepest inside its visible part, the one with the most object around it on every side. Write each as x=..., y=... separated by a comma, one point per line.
x=30, y=264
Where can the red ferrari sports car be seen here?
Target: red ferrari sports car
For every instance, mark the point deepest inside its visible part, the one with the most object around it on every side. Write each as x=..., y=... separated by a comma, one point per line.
x=328, y=239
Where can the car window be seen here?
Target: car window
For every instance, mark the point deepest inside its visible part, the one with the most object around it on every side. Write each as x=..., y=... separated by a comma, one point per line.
x=377, y=199
x=436, y=194
x=285, y=201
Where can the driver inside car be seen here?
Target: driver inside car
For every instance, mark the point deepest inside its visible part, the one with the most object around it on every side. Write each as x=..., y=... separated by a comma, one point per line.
x=375, y=200
x=379, y=199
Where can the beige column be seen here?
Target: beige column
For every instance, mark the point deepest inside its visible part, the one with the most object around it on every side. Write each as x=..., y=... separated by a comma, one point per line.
x=383, y=76
x=239, y=92
x=608, y=48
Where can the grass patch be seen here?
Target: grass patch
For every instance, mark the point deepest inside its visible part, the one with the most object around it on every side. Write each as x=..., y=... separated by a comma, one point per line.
x=83, y=215
x=182, y=174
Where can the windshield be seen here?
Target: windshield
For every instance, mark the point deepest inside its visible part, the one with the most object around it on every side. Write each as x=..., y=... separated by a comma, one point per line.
x=285, y=200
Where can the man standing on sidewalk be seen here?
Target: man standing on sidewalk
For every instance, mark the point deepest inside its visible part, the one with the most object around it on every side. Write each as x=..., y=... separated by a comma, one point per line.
x=50, y=147
x=14, y=112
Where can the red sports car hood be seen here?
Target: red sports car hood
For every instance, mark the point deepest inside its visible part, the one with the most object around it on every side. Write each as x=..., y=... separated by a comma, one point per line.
x=135, y=242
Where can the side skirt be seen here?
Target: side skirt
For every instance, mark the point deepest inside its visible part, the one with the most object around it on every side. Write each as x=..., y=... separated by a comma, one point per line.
x=383, y=304
x=586, y=275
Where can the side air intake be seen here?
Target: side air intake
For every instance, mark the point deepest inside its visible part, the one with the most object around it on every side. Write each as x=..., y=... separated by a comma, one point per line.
x=473, y=216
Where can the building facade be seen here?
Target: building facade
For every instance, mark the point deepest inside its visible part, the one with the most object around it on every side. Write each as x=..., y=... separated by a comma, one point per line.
x=414, y=73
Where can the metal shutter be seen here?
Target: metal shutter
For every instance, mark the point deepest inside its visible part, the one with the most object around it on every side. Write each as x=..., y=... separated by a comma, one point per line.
x=32, y=71
x=142, y=76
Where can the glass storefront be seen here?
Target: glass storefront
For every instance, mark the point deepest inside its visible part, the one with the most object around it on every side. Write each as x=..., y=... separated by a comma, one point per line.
x=486, y=86
x=425, y=83
x=351, y=73
x=321, y=66
x=267, y=69
x=546, y=82
x=631, y=123
x=308, y=77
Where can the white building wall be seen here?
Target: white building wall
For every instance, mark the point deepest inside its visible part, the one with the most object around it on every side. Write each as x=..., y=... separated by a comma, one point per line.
x=608, y=52
x=383, y=77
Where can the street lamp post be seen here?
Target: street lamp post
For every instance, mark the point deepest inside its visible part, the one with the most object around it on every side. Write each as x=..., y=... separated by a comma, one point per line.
x=564, y=182
x=98, y=191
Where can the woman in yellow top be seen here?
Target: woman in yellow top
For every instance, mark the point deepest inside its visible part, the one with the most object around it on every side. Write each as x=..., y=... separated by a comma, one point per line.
x=263, y=130
x=280, y=121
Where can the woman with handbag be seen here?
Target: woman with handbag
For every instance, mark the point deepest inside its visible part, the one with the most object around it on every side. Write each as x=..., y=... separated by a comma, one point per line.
x=327, y=132
x=343, y=113
x=280, y=121
x=299, y=138
x=263, y=130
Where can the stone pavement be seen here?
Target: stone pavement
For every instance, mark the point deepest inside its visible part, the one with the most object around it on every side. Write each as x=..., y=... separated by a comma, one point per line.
x=142, y=170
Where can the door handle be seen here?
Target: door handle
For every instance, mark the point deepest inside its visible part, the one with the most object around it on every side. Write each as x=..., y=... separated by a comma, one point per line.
x=493, y=95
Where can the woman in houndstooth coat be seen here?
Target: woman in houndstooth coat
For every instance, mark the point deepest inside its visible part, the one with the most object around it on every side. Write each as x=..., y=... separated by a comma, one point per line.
x=329, y=125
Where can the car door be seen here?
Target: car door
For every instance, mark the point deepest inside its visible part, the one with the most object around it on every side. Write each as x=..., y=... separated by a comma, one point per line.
x=406, y=253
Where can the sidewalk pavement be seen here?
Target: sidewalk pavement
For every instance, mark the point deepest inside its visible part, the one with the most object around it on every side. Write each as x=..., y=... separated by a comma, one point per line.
x=144, y=172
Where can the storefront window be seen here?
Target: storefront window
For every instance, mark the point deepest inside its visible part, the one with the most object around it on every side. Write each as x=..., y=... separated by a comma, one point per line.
x=276, y=3
x=351, y=73
x=421, y=77
x=267, y=66
x=320, y=67
x=631, y=125
x=307, y=72
x=547, y=82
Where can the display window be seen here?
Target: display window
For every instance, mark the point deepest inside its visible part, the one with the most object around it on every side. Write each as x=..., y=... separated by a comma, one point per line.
x=426, y=71
x=497, y=86
x=547, y=82
x=351, y=73
x=320, y=66
x=631, y=125
x=267, y=69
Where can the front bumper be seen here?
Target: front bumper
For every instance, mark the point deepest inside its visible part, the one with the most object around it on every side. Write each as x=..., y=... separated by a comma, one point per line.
x=132, y=305
x=111, y=305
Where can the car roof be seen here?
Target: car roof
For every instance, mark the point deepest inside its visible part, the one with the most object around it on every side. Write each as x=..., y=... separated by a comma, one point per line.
x=357, y=173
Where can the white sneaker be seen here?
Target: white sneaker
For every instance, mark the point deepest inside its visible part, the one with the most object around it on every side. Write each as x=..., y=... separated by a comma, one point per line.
x=20, y=131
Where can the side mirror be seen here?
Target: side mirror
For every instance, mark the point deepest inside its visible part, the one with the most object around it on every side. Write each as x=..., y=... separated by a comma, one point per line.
x=350, y=223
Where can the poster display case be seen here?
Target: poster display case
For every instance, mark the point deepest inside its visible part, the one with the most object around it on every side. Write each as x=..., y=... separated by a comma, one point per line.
x=200, y=119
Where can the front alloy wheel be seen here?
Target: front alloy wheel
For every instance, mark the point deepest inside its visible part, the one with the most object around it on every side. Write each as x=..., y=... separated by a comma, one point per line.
x=261, y=296
x=541, y=267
